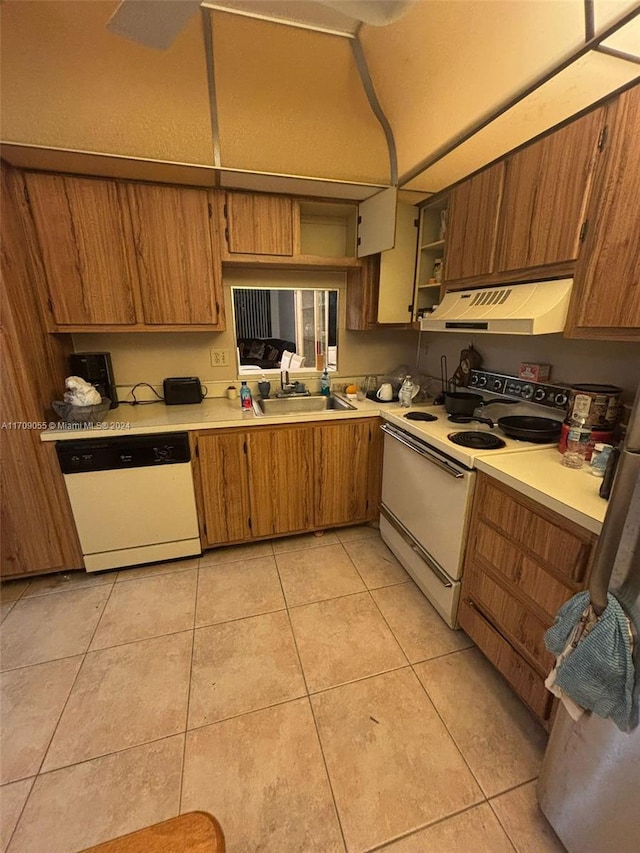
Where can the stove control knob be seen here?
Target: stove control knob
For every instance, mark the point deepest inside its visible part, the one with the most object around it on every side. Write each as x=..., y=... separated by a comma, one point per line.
x=527, y=391
x=539, y=395
x=560, y=399
x=482, y=381
x=496, y=385
x=474, y=379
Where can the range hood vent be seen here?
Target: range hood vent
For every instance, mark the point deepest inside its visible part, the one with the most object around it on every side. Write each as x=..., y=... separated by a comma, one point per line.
x=517, y=309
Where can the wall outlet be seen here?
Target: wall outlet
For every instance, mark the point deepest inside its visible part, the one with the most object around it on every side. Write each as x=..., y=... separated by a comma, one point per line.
x=219, y=357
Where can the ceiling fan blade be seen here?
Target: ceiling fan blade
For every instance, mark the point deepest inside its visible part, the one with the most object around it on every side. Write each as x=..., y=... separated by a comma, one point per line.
x=153, y=23
x=379, y=13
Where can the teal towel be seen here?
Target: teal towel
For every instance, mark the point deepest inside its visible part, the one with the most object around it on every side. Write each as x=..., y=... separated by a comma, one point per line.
x=599, y=673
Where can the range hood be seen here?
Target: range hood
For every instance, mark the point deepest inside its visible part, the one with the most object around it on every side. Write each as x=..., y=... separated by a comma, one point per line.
x=539, y=308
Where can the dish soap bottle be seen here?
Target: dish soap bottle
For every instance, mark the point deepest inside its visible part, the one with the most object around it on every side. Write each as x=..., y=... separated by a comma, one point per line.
x=245, y=395
x=325, y=385
x=405, y=395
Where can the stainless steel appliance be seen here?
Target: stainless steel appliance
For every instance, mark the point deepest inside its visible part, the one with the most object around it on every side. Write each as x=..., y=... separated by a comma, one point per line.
x=428, y=480
x=132, y=498
x=590, y=780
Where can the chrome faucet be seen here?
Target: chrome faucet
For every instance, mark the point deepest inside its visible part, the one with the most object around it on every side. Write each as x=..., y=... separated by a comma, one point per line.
x=285, y=385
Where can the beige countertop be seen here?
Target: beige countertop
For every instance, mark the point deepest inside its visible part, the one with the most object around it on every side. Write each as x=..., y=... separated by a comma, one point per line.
x=210, y=414
x=537, y=474
x=541, y=476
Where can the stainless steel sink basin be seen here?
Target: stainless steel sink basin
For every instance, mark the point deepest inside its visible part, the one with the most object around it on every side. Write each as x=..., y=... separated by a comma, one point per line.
x=294, y=405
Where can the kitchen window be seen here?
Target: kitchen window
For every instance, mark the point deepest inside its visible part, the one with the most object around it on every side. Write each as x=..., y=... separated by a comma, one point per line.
x=270, y=323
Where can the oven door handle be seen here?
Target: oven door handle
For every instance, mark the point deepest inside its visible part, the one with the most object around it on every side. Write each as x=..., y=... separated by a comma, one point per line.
x=426, y=558
x=419, y=448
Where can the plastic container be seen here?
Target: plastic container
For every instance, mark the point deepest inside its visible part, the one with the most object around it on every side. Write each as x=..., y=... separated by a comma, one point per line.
x=599, y=458
x=578, y=439
x=405, y=394
x=245, y=395
x=325, y=385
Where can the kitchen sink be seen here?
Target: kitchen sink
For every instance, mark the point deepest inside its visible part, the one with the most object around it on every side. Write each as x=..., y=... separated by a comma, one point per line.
x=299, y=404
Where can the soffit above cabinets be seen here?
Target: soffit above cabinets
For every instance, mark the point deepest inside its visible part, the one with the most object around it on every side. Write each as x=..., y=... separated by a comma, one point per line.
x=587, y=80
x=290, y=110
x=463, y=83
x=291, y=101
x=67, y=82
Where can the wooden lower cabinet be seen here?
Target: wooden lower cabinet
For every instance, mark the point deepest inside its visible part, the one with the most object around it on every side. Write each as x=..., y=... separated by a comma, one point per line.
x=225, y=488
x=271, y=481
x=280, y=480
x=522, y=563
x=347, y=462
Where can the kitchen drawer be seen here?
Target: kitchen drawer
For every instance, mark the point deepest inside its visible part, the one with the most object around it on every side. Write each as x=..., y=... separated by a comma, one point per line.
x=552, y=540
x=523, y=679
x=511, y=617
x=519, y=570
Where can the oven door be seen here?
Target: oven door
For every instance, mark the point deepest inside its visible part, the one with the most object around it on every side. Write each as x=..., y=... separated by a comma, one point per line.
x=426, y=501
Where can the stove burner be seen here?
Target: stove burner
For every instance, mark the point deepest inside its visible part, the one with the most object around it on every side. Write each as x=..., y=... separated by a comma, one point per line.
x=478, y=440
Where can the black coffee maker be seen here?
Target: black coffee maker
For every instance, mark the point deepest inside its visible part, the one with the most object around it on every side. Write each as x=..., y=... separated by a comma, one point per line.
x=95, y=367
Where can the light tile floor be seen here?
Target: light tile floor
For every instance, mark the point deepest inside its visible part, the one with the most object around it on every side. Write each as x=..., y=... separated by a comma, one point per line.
x=303, y=691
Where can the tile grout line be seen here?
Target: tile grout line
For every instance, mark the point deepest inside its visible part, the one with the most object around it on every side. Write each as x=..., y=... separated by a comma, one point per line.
x=24, y=805
x=55, y=729
x=99, y=757
x=449, y=732
x=503, y=827
x=380, y=847
x=11, y=605
x=75, y=680
x=79, y=588
x=455, y=743
x=293, y=636
x=512, y=788
x=313, y=717
x=186, y=719
x=238, y=619
x=326, y=770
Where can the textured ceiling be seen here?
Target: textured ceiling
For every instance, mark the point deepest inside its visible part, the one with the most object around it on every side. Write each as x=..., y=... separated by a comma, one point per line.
x=68, y=82
x=290, y=100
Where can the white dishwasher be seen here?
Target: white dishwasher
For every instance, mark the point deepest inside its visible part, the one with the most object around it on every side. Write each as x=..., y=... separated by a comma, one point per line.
x=132, y=498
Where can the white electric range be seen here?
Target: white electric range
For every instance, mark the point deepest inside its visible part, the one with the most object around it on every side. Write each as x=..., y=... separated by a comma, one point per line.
x=428, y=481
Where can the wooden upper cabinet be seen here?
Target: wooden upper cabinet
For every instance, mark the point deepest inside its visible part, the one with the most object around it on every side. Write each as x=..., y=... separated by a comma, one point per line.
x=472, y=223
x=179, y=265
x=546, y=187
x=86, y=249
x=606, y=294
x=259, y=224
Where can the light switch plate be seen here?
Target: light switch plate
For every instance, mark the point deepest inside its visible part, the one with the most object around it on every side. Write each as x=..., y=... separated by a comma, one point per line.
x=219, y=357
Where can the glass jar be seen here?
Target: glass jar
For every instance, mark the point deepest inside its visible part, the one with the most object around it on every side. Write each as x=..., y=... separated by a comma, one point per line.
x=577, y=444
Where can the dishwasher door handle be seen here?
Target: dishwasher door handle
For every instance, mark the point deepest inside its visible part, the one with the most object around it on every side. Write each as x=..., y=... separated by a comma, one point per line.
x=419, y=448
